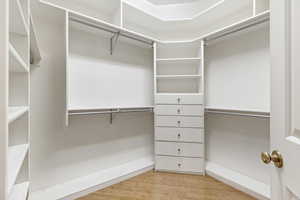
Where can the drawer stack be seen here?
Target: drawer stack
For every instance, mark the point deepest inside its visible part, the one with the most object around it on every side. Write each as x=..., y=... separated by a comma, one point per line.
x=179, y=133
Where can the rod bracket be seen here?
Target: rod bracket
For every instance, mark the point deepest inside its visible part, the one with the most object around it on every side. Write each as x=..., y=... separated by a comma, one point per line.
x=113, y=42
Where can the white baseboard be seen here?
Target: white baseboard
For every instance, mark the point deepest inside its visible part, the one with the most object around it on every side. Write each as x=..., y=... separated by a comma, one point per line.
x=241, y=182
x=82, y=186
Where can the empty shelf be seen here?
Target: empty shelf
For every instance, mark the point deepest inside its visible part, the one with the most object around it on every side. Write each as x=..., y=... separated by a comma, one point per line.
x=16, y=63
x=177, y=76
x=17, y=19
x=35, y=55
x=19, y=191
x=14, y=112
x=16, y=157
x=177, y=59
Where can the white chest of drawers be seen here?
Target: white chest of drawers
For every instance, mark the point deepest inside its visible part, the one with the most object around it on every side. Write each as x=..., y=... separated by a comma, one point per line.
x=179, y=133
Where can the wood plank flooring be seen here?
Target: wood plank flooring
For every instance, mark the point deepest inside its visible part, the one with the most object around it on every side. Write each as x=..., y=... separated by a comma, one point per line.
x=168, y=186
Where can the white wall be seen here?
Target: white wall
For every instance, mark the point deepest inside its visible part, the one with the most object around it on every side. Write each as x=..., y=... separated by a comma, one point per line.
x=238, y=71
x=90, y=144
x=238, y=75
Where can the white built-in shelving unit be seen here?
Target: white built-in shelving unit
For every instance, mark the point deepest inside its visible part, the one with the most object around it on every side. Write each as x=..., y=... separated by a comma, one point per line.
x=179, y=107
x=103, y=32
x=15, y=101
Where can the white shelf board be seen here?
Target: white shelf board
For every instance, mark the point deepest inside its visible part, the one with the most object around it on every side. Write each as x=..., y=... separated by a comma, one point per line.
x=163, y=18
x=19, y=191
x=251, y=21
x=96, y=22
x=16, y=157
x=14, y=112
x=239, y=181
x=35, y=54
x=177, y=59
x=16, y=63
x=177, y=76
x=164, y=93
x=136, y=18
x=17, y=18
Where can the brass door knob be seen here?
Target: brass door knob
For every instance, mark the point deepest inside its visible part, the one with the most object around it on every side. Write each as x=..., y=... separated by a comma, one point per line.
x=275, y=157
x=265, y=157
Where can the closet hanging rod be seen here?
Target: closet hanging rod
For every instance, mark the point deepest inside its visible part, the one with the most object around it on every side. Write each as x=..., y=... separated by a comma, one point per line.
x=112, y=111
x=238, y=114
x=110, y=31
x=237, y=30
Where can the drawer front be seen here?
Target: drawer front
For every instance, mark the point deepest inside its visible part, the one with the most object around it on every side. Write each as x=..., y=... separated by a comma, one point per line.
x=179, y=134
x=189, y=110
x=178, y=99
x=180, y=164
x=179, y=121
x=179, y=149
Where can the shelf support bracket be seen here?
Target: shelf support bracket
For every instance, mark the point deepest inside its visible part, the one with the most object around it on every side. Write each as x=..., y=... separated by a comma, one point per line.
x=113, y=42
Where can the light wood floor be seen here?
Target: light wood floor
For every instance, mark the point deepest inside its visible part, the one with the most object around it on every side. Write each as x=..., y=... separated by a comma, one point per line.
x=167, y=186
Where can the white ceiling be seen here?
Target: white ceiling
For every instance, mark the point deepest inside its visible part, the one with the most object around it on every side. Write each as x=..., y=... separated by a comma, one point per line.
x=165, y=2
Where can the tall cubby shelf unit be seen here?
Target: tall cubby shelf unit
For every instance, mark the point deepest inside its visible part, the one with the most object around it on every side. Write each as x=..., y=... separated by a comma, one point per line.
x=179, y=107
x=15, y=101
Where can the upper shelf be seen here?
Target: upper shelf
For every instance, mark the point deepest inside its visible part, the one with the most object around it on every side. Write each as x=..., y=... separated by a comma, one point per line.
x=106, y=11
x=14, y=112
x=35, y=55
x=17, y=20
x=16, y=157
x=19, y=191
x=248, y=22
x=135, y=20
x=16, y=63
x=223, y=13
x=96, y=23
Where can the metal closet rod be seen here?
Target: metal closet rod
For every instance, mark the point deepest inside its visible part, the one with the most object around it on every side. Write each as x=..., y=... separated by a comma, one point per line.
x=238, y=114
x=237, y=30
x=113, y=111
x=110, y=31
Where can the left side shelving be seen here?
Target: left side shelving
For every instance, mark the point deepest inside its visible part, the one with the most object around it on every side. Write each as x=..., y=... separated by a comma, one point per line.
x=15, y=101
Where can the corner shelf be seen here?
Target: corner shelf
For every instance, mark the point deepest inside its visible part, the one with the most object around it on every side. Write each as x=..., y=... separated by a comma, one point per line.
x=19, y=191
x=177, y=59
x=14, y=112
x=16, y=157
x=17, y=18
x=17, y=64
x=178, y=76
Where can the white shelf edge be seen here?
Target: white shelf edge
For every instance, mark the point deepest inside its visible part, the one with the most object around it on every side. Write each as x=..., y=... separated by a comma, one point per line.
x=35, y=54
x=241, y=22
x=178, y=93
x=177, y=76
x=178, y=59
x=253, y=19
x=16, y=56
x=19, y=191
x=239, y=181
x=16, y=157
x=103, y=23
x=14, y=112
x=18, y=9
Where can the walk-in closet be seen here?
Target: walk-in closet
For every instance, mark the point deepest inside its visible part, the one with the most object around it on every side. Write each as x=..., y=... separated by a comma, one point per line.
x=149, y=100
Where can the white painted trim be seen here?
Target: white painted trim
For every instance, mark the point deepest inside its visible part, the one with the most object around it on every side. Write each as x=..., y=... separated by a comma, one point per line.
x=82, y=186
x=239, y=181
